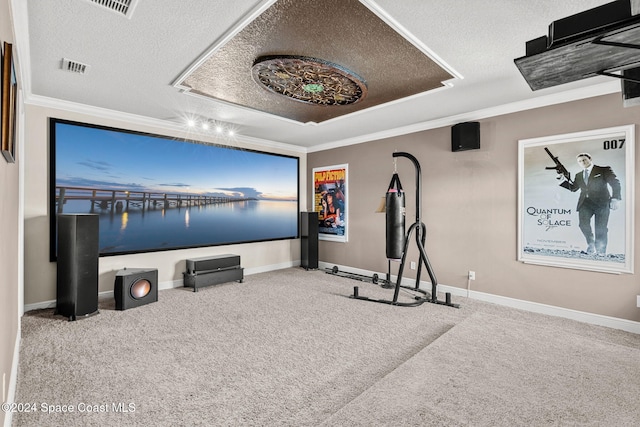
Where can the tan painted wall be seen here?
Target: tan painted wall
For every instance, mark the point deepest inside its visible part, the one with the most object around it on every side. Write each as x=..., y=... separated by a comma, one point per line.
x=40, y=274
x=9, y=245
x=469, y=206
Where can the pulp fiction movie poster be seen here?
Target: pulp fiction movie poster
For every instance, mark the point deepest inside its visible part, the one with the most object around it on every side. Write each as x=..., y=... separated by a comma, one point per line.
x=330, y=201
x=575, y=200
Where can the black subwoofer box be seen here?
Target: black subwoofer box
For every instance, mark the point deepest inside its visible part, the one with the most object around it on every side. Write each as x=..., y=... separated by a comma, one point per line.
x=77, y=265
x=465, y=136
x=135, y=287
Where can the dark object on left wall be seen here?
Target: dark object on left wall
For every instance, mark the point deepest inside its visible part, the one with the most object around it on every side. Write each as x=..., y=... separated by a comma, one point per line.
x=77, y=269
x=135, y=287
x=9, y=92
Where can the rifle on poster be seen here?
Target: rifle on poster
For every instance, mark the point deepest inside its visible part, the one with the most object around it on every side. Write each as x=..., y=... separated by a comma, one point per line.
x=559, y=167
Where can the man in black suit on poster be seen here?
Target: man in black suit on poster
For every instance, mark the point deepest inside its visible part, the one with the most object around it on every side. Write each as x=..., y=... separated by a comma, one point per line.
x=595, y=201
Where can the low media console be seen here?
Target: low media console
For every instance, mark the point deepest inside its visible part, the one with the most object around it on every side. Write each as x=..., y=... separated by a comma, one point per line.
x=207, y=271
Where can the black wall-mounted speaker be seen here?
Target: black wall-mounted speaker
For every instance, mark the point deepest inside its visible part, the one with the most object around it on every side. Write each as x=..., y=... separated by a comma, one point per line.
x=135, y=287
x=465, y=136
x=77, y=265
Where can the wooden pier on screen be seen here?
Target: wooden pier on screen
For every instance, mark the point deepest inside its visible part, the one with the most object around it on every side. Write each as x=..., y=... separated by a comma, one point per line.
x=124, y=200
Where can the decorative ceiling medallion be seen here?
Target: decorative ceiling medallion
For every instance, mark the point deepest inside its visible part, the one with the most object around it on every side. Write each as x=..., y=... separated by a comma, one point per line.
x=309, y=80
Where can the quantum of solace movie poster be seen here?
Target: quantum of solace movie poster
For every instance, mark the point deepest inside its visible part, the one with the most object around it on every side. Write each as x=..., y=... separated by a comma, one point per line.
x=575, y=203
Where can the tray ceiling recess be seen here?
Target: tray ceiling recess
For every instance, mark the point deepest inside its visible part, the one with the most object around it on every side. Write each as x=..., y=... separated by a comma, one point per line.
x=603, y=41
x=310, y=61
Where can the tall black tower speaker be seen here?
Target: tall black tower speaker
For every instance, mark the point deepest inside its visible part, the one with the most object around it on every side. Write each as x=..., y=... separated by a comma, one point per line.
x=465, y=136
x=77, y=275
x=309, y=240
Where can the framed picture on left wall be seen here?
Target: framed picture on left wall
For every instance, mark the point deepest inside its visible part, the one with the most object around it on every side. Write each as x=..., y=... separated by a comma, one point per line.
x=9, y=94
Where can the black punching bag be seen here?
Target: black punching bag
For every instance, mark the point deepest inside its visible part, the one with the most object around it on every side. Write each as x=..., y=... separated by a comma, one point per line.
x=395, y=212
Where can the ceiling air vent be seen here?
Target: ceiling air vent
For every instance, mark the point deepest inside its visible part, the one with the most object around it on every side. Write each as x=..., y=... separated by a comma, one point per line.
x=74, y=66
x=121, y=7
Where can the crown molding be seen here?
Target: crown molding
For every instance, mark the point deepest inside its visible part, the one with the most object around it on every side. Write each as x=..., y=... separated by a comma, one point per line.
x=166, y=125
x=542, y=101
x=513, y=107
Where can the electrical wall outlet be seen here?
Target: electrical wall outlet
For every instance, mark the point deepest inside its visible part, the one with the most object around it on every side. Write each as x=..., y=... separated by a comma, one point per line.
x=472, y=275
x=638, y=301
x=413, y=265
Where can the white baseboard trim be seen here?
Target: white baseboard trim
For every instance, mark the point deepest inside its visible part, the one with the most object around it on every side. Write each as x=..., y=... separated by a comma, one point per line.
x=581, y=316
x=591, y=318
x=272, y=267
x=40, y=305
x=170, y=284
x=13, y=380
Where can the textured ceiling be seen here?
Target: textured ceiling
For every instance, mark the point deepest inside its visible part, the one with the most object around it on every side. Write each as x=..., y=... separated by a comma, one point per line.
x=343, y=32
x=134, y=62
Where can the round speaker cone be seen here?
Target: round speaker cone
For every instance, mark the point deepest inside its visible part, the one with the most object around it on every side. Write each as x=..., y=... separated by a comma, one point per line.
x=140, y=288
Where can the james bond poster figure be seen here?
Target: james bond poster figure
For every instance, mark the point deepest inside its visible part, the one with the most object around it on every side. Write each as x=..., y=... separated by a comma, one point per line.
x=582, y=215
x=599, y=194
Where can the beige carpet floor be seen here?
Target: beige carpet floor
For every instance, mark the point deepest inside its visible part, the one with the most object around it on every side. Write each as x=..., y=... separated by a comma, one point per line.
x=290, y=348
